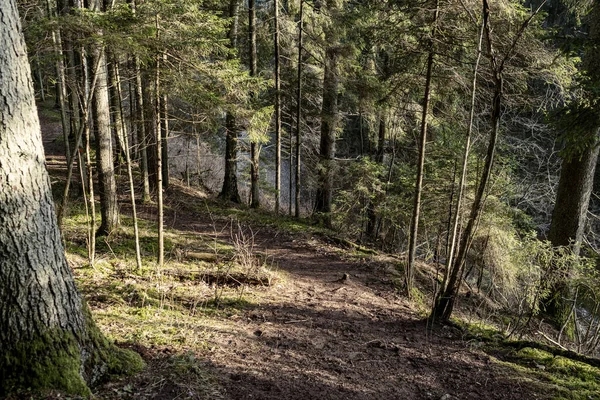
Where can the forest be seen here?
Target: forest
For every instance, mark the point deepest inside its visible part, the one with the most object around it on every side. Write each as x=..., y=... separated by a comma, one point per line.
x=299, y=199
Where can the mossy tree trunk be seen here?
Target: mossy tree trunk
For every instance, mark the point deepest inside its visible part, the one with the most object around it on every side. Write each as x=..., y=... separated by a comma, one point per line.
x=47, y=337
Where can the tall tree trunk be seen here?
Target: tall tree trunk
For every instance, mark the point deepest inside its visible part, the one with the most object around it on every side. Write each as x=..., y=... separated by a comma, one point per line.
x=40, y=80
x=372, y=220
x=159, y=151
x=379, y=156
x=142, y=138
x=277, y=109
x=329, y=122
x=229, y=190
x=164, y=133
x=104, y=149
x=91, y=206
x=151, y=132
x=61, y=81
x=75, y=106
x=575, y=186
x=568, y=219
x=447, y=297
x=414, y=224
x=72, y=89
x=116, y=107
x=254, y=145
x=298, y=116
x=83, y=125
x=88, y=172
x=140, y=116
x=577, y=173
x=47, y=337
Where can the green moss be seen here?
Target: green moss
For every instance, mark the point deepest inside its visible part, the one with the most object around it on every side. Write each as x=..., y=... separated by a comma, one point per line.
x=50, y=361
x=57, y=359
x=559, y=376
x=106, y=359
x=570, y=379
x=419, y=300
x=481, y=331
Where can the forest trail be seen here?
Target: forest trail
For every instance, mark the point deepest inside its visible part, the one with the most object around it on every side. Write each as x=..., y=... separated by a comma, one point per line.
x=334, y=327
x=338, y=329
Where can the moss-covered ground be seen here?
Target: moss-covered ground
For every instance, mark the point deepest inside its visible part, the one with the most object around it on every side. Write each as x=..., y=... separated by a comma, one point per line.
x=550, y=370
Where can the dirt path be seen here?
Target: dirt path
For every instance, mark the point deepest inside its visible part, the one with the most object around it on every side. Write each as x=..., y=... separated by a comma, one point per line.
x=335, y=329
x=321, y=336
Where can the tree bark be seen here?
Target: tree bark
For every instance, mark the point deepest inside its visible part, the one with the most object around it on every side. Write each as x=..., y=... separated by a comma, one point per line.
x=277, y=109
x=254, y=145
x=379, y=156
x=47, y=337
x=104, y=149
x=159, y=154
x=116, y=107
x=229, y=190
x=329, y=122
x=572, y=198
x=142, y=138
x=574, y=188
x=577, y=173
x=298, y=148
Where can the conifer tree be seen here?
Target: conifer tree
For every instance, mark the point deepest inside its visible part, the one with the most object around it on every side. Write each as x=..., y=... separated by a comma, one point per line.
x=47, y=337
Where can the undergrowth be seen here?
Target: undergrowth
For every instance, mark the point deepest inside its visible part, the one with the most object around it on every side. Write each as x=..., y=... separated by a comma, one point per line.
x=207, y=280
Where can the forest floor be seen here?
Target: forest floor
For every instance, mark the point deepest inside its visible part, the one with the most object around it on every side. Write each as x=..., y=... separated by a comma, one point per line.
x=249, y=306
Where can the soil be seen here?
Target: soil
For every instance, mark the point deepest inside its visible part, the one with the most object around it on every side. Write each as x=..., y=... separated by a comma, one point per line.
x=337, y=328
